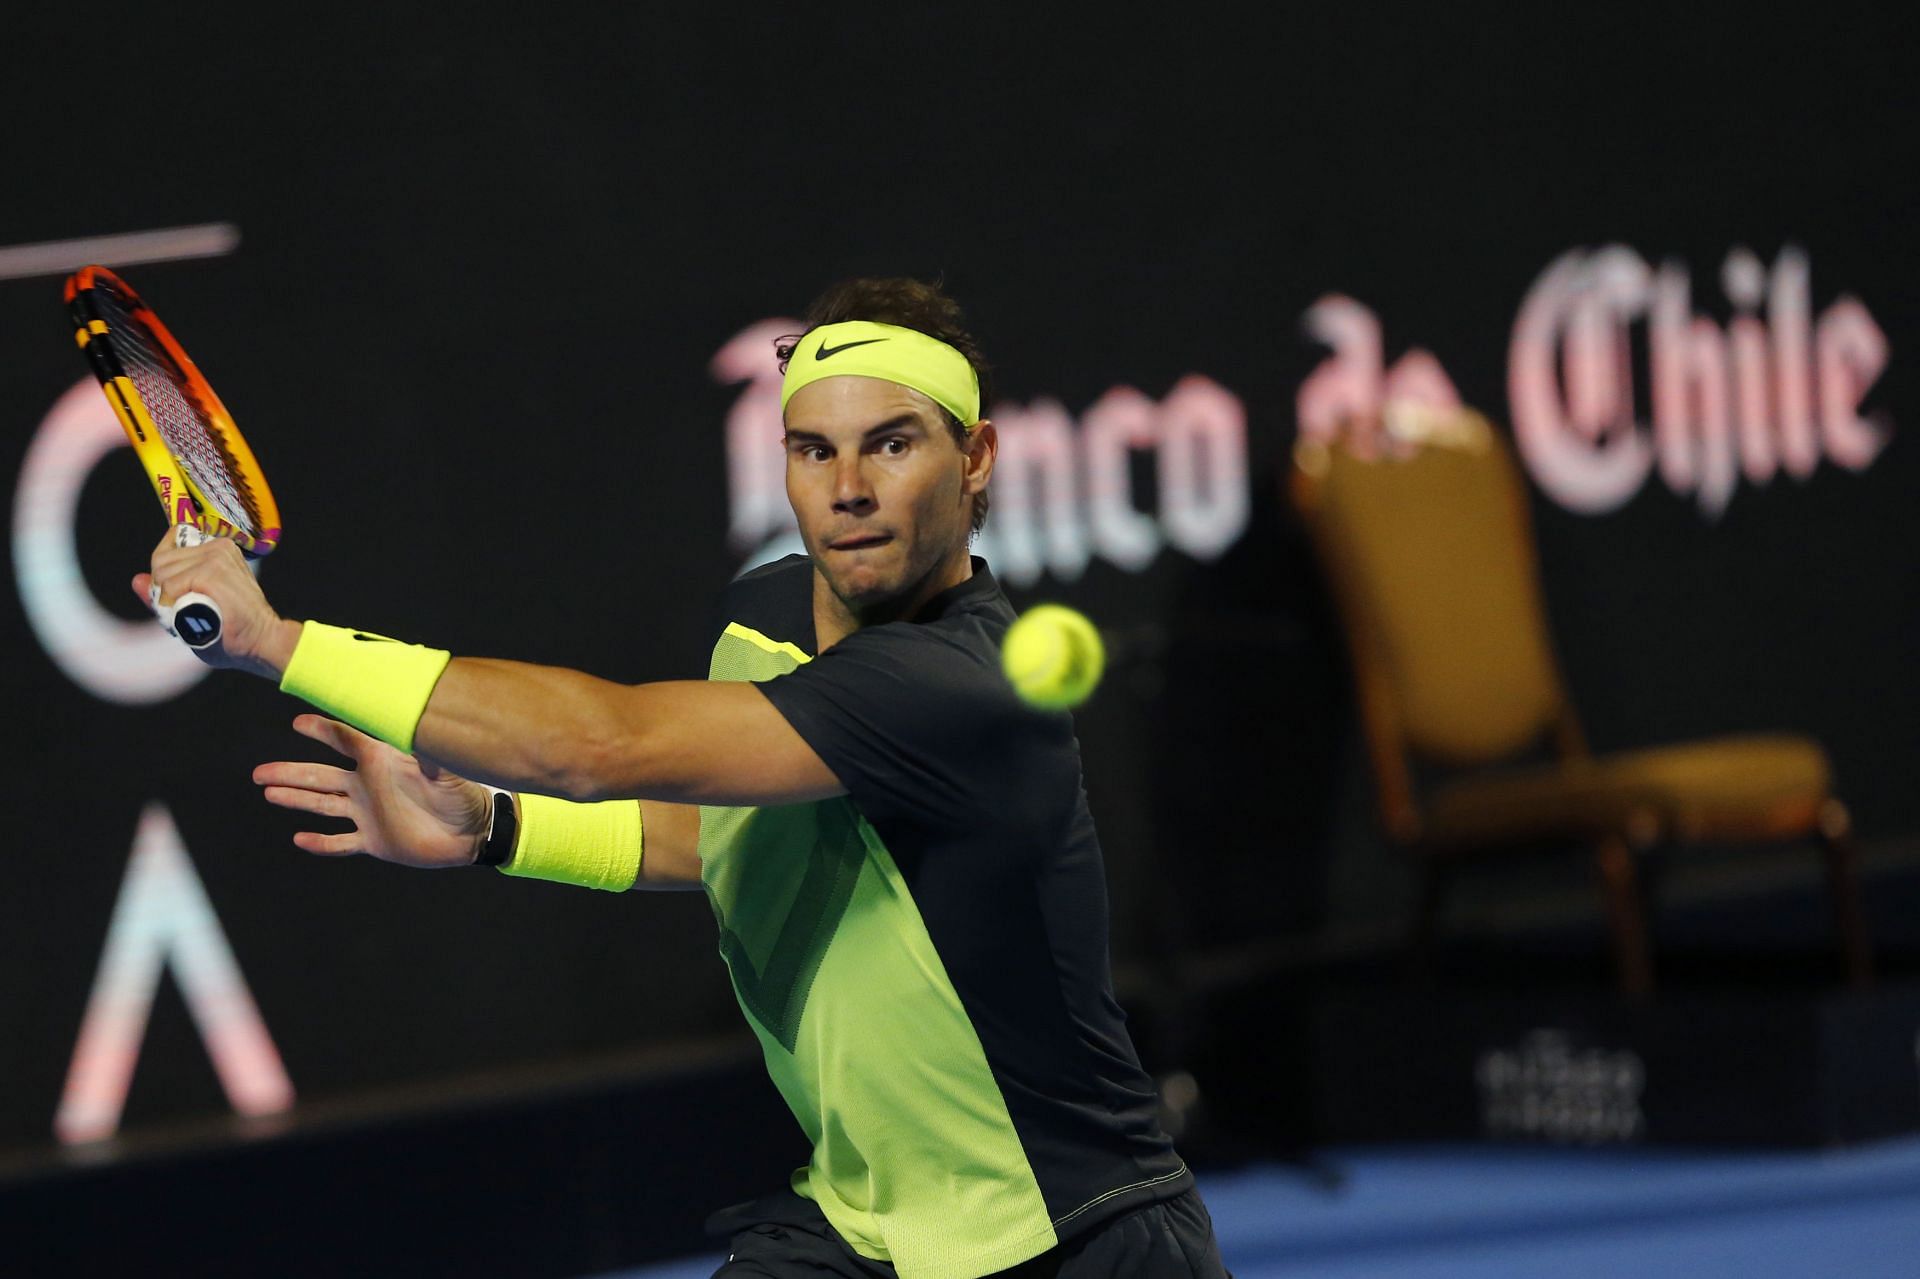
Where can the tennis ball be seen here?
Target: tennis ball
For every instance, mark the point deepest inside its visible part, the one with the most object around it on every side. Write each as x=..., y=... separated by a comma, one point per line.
x=1053, y=656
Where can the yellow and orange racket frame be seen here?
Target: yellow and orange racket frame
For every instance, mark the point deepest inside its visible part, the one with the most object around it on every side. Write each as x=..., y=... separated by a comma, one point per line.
x=103, y=307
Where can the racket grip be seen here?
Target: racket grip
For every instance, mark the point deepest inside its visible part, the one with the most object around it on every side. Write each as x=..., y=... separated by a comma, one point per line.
x=193, y=617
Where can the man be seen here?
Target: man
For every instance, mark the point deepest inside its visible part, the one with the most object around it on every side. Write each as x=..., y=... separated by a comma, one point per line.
x=898, y=851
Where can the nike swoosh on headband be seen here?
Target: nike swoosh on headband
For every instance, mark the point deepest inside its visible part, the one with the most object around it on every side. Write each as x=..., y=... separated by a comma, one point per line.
x=826, y=351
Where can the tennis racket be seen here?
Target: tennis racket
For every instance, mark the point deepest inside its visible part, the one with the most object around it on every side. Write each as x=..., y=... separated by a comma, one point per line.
x=204, y=474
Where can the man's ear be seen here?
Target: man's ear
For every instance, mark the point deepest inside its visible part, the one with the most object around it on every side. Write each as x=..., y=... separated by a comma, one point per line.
x=983, y=445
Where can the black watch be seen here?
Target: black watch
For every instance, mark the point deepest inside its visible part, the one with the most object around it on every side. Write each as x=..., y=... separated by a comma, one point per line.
x=497, y=848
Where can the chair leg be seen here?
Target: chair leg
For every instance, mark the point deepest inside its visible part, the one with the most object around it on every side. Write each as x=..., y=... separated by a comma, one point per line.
x=1626, y=913
x=1435, y=878
x=1843, y=885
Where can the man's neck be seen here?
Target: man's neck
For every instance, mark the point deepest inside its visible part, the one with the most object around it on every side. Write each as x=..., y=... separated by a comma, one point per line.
x=833, y=621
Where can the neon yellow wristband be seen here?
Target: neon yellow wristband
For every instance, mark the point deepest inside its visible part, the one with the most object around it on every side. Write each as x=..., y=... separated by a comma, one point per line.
x=591, y=845
x=376, y=684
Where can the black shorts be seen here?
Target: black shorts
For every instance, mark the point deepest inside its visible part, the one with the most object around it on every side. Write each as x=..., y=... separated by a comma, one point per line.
x=786, y=1235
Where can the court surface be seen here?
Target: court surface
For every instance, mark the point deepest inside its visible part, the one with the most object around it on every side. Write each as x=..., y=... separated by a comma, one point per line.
x=1458, y=1211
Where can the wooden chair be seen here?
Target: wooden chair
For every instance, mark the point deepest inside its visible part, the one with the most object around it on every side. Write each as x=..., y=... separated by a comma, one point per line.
x=1427, y=544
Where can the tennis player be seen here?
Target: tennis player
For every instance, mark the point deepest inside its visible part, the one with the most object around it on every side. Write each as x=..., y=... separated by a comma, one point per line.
x=899, y=852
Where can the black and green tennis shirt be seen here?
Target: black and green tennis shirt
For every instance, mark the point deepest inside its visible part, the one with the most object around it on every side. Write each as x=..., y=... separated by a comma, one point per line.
x=925, y=960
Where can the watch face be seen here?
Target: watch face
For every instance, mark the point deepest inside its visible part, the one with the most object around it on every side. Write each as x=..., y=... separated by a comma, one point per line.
x=501, y=826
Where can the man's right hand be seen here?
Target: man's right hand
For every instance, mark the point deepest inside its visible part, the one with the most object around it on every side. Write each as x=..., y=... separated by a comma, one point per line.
x=254, y=638
x=403, y=810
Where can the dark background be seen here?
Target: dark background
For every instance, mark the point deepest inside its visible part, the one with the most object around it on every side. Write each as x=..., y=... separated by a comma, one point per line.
x=485, y=262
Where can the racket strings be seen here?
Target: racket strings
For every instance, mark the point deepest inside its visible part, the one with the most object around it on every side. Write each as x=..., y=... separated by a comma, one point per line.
x=187, y=428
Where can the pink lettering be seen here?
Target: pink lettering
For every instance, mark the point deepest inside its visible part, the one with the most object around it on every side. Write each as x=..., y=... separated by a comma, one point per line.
x=1851, y=353
x=1343, y=395
x=756, y=462
x=1417, y=378
x=1692, y=426
x=1036, y=495
x=1119, y=422
x=1203, y=467
x=1743, y=280
x=1789, y=305
x=1588, y=464
x=1353, y=397
x=163, y=920
x=1742, y=401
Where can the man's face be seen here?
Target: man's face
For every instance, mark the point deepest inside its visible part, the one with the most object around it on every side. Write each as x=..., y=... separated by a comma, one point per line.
x=878, y=485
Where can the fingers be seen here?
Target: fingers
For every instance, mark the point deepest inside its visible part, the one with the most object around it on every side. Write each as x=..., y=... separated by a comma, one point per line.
x=179, y=569
x=301, y=775
x=143, y=587
x=312, y=841
x=319, y=789
x=319, y=803
x=345, y=738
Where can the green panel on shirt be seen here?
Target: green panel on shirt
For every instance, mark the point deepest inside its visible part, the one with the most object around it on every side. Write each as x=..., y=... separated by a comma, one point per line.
x=916, y=1160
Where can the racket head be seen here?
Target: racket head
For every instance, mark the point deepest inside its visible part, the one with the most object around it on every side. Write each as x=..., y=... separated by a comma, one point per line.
x=202, y=469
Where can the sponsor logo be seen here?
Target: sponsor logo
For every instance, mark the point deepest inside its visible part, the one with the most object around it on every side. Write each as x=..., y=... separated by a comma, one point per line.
x=828, y=352
x=1614, y=377
x=131, y=663
x=163, y=921
x=1547, y=1088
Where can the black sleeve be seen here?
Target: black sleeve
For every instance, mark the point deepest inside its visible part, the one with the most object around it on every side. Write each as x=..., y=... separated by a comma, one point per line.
x=775, y=598
x=918, y=727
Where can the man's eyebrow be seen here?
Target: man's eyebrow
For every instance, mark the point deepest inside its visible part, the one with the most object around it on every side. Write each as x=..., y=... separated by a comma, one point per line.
x=894, y=423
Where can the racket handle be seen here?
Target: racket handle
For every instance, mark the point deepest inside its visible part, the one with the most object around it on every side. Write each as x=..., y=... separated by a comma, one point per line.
x=193, y=617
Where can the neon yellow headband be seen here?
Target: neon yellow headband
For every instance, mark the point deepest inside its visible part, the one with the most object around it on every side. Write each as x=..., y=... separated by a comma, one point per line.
x=907, y=357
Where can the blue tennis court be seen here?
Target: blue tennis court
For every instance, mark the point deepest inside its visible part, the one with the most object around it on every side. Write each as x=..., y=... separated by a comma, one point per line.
x=1464, y=1212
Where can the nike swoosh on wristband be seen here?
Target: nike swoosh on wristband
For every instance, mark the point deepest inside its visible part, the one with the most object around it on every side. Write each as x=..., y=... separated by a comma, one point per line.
x=826, y=351
x=377, y=639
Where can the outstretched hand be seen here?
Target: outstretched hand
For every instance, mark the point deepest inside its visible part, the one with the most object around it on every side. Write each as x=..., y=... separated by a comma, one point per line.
x=403, y=810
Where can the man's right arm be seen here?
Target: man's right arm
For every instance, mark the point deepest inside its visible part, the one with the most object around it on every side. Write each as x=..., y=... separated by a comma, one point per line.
x=670, y=845
x=657, y=843
x=414, y=813
x=661, y=839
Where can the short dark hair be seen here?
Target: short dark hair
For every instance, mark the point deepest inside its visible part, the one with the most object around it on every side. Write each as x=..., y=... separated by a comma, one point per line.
x=909, y=304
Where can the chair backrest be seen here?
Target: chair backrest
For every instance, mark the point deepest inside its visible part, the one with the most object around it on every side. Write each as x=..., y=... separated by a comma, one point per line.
x=1428, y=546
